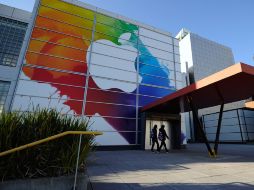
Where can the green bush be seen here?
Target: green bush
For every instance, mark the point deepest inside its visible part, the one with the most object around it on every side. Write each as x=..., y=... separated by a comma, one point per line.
x=54, y=158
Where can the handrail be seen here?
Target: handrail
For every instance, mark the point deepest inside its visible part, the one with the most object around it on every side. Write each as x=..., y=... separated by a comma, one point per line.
x=49, y=139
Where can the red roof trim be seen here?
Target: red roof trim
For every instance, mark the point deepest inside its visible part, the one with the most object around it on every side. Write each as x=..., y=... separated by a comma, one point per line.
x=214, y=78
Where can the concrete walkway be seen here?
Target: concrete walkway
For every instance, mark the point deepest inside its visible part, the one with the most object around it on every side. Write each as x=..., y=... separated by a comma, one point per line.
x=190, y=169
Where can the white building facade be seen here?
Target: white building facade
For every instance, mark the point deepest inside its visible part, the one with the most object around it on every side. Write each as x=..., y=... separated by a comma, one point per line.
x=204, y=57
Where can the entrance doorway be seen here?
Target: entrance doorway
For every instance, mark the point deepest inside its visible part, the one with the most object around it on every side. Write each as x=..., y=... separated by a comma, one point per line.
x=172, y=125
x=149, y=126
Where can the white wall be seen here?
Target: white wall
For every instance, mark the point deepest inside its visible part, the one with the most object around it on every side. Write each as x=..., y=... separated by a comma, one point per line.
x=209, y=57
x=14, y=13
x=185, y=52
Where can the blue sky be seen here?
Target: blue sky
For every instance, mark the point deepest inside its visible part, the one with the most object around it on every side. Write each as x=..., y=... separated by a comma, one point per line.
x=229, y=22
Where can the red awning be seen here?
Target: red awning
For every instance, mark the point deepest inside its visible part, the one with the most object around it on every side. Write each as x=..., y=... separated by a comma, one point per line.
x=229, y=85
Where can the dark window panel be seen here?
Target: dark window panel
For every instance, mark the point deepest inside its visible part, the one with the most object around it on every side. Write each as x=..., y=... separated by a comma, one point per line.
x=11, y=38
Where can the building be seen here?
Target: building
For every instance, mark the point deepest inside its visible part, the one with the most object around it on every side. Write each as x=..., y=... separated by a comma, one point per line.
x=200, y=58
x=13, y=24
x=88, y=62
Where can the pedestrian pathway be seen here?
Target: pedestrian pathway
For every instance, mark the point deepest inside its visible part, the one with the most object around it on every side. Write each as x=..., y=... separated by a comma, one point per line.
x=177, y=170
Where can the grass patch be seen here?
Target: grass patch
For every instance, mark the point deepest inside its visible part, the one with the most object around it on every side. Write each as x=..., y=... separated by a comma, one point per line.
x=55, y=158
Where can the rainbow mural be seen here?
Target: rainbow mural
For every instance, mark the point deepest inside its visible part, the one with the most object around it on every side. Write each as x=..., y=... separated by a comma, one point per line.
x=59, y=54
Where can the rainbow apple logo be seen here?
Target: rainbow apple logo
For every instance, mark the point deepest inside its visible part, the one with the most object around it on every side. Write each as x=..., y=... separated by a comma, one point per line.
x=121, y=53
x=58, y=73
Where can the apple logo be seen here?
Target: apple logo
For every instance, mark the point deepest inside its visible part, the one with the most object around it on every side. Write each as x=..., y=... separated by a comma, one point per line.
x=110, y=56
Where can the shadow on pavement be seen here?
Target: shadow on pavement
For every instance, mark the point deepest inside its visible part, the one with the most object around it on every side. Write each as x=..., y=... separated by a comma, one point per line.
x=171, y=186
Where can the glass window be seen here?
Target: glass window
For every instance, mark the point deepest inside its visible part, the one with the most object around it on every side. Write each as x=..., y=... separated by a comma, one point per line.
x=68, y=18
x=111, y=96
x=112, y=73
x=67, y=8
x=4, y=89
x=110, y=110
x=157, y=81
x=114, y=23
x=155, y=91
x=45, y=75
x=144, y=100
x=48, y=90
x=166, y=38
x=145, y=41
x=70, y=30
x=112, y=62
x=12, y=33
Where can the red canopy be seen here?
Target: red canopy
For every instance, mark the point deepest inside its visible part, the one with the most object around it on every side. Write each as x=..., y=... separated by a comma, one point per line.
x=229, y=85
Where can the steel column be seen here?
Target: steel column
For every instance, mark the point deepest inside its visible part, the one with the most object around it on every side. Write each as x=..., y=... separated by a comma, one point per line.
x=87, y=75
x=218, y=129
x=195, y=115
x=239, y=123
x=77, y=163
x=137, y=92
x=203, y=121
x=174, y=61
x=246, y=127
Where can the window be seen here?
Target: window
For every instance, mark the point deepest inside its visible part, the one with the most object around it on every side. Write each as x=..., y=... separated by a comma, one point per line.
x=12, y=33
x=4, y=89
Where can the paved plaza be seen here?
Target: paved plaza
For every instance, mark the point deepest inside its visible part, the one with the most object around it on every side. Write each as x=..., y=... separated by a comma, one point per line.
x=190, y=169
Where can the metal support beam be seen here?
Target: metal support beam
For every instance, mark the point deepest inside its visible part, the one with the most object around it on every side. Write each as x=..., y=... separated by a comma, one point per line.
x=240, y=125
x=199, y=124
x=77, y=163
x=217, y=139
x=246, y=126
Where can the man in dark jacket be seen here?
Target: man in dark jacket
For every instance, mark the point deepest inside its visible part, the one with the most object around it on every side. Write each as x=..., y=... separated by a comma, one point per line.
x=154, y=138
x=162, y=137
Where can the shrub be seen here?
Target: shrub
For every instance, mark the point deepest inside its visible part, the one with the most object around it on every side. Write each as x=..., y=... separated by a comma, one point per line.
x=55, y=158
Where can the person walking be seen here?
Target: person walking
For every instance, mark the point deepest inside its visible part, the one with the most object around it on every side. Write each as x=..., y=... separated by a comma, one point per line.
x=154, y=138
x=162, y=137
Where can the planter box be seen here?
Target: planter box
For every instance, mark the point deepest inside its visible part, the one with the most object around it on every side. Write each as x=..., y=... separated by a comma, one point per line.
x=53, y=183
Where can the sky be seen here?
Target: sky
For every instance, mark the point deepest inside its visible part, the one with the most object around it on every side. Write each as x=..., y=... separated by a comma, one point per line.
x=228, y=22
